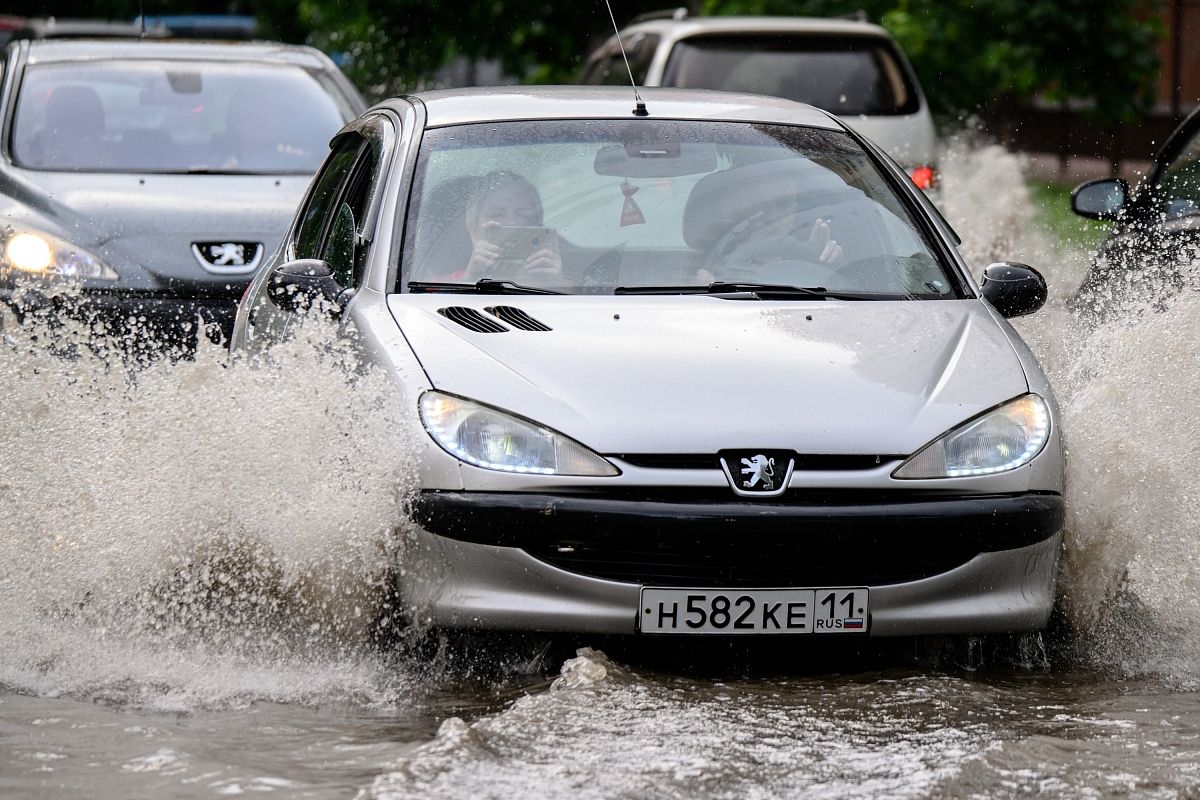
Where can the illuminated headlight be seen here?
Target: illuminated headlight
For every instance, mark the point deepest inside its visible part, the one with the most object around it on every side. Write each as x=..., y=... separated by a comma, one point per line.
x=492, y=439
x=1001, y=439
x=41, y=254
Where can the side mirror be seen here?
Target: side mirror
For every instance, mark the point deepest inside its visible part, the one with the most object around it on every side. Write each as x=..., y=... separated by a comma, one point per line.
x=1014, y=289
x=300, y=285
x=1100, y=199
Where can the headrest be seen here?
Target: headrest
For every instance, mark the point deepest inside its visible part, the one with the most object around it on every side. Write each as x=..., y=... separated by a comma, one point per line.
x=723, y=199
x=74, y=108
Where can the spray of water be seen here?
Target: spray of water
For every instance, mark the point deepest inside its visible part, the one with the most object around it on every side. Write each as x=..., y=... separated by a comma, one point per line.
x=1124, y=372
x=195, y=532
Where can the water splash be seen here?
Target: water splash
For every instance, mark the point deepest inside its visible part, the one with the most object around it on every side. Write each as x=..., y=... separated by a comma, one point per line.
x=195, y=532
x=1125, y=381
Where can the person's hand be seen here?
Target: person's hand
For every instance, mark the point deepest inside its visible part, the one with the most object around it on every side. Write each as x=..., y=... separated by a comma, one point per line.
x=484, y=255
x=542, y=265
x=830, y=251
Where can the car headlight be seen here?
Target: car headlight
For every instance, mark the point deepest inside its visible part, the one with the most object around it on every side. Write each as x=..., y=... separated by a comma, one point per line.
x=489, y=438
x=40, y=254
x=1004, y=438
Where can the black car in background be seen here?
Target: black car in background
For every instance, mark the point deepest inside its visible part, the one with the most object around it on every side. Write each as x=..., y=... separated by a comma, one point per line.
x=1154, y=249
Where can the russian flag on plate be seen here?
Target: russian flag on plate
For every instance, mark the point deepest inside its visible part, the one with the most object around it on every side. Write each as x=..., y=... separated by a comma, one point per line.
x=853, y=623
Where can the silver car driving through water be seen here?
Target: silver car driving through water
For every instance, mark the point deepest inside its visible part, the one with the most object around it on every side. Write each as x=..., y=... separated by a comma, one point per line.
x=707, y=364
x=156, y=175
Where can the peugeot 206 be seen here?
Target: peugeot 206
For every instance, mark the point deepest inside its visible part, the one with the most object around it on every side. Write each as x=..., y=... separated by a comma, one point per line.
x=155, y=175
x=701, y=364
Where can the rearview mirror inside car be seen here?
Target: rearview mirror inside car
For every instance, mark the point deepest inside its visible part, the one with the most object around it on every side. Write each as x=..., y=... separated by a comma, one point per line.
x=1014, y=289
x=649, y=159
x=1100, y=199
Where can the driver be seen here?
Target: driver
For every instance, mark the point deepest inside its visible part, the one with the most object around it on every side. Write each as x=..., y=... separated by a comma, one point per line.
x=763, y=239
x=758, y=222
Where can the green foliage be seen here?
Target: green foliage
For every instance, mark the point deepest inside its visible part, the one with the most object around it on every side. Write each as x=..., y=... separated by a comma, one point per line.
x=402, y=44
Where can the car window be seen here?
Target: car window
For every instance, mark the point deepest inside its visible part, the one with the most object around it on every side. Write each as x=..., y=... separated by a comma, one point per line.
x=841, y=74
x=607, y=67
x=320, y=207
x=335, y=213
x=602, y=204
x=173, y=116
x=346, y=248
x=1179, y=181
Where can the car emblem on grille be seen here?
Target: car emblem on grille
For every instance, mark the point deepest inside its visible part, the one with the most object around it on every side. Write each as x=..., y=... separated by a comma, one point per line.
x=758, y=473
x=228, y=258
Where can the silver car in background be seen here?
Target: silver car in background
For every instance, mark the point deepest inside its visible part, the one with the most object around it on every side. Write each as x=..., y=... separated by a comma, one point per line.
x=710, y=364
x=848, y=67
x=156, y=175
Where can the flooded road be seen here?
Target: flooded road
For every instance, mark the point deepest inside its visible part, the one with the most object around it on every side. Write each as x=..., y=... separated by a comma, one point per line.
x=161, y=636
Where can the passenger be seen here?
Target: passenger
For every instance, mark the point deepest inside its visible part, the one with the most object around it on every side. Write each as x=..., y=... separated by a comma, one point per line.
x=506, y=200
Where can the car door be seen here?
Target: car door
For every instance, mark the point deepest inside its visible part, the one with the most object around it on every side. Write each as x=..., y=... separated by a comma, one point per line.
x=332, y=228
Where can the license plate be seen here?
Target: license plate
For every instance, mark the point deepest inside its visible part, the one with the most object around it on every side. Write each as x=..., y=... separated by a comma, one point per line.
x=729, y=611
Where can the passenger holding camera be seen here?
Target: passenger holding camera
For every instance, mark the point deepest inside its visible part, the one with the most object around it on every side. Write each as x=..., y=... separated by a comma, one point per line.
x=505, y=224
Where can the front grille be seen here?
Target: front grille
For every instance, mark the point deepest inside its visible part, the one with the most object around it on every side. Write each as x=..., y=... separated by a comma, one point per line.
x=762, y=560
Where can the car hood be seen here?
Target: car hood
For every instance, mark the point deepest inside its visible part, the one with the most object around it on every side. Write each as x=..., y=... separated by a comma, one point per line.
x=698, y=374
x=144, y=225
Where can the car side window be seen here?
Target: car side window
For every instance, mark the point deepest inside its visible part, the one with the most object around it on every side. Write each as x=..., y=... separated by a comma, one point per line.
x=317, y=216
x=345, y=248
x=1179, y=184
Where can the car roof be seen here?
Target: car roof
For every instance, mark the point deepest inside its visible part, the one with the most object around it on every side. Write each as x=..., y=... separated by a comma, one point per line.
x=50, y=50
x=494, y=104
x=689, y=26
x=59, y=28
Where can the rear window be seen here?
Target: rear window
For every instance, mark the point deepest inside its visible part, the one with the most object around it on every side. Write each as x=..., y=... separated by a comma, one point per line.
x=846, y=75
x=174, y=116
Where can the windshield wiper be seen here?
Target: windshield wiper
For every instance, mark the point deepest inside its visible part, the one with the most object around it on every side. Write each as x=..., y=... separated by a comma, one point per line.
x=758, y=290
x=482, y=286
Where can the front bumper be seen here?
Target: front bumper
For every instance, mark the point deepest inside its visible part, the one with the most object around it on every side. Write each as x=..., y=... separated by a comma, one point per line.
x=937, y=565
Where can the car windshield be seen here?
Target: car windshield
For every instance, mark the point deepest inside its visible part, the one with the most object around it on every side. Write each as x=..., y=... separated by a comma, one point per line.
x=606, y=205
x=843, y=75
x=181, y=116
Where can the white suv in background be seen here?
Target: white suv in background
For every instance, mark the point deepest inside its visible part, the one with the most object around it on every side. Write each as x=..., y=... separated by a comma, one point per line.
x=850, y=68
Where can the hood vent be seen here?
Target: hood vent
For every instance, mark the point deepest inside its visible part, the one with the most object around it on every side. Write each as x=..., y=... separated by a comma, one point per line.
x=517, y=318
x=471, y=319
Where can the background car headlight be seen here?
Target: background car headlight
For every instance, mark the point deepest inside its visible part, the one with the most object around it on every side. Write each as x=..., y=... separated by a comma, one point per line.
x=492, y=439
x=1004, y=438
x=37, y=253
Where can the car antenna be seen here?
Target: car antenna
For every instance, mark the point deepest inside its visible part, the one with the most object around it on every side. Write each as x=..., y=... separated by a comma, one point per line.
x=639, y=107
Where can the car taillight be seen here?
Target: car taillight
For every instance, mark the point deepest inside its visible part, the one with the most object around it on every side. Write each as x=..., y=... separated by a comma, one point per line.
x=923, y=177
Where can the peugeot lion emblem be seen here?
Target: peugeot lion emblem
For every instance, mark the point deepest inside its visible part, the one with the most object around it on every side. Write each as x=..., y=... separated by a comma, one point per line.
x=228, y=258
x=761, y=473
